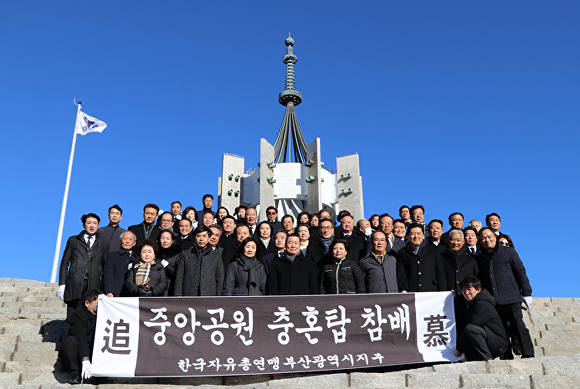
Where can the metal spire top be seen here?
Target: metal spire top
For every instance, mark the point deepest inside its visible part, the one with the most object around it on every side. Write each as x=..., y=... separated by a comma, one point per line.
x=290, y=127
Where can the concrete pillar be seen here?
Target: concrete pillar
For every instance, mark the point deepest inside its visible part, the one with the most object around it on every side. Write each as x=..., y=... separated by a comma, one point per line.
x=230, y=183
x=349, y=185
x=314, y=188
x=267, y=177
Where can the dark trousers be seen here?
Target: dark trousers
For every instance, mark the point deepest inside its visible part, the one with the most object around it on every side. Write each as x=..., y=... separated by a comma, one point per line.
x=71, y=307
x=511, y=318
x=69, y=355
x=476, y=338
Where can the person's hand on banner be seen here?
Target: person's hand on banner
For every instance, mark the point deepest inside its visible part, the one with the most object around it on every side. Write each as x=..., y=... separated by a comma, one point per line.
x=61, y=292
x=87, y=369
x=528, y=300
x=164, y=263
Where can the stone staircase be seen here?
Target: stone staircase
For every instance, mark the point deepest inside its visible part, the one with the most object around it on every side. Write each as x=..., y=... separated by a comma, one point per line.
x=32, y=317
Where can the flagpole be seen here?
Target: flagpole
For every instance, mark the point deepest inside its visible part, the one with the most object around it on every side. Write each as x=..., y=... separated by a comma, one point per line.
x=64, y=200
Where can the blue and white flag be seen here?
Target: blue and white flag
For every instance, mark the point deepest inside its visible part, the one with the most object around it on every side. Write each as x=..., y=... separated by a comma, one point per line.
x=86, y=124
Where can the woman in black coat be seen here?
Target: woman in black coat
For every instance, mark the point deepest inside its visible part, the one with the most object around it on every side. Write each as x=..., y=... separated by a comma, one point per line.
x=147, y=278
x=246, y=275
x=343, y=275
x=168, y=250
x=266, y=240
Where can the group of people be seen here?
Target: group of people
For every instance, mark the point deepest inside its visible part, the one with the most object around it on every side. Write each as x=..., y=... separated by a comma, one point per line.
x=186, y=252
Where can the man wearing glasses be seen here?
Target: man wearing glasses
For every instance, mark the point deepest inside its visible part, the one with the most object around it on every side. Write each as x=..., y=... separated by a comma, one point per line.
x=272, y=215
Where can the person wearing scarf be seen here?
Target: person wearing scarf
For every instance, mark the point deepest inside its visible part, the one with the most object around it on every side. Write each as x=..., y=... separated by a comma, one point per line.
x=246, y=275
x=147, y=278
x=344, y=275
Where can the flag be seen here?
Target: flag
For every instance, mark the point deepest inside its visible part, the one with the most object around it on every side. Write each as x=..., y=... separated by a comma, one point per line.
x=86, y=124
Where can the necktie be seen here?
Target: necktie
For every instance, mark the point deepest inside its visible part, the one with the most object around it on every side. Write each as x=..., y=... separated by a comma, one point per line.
x=473, y=250
x=89, y=243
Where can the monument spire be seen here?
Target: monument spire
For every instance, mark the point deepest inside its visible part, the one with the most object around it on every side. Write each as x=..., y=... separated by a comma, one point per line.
x=290, y=141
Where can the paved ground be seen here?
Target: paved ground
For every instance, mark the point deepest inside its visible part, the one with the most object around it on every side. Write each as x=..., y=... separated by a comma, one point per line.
x=31, y=319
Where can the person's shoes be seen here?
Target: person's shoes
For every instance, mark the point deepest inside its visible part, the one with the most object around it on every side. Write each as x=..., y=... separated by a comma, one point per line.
x=75, y=380
x=527, y=356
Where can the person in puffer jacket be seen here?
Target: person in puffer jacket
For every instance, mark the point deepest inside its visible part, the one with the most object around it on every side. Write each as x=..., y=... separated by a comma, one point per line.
x=343, y=275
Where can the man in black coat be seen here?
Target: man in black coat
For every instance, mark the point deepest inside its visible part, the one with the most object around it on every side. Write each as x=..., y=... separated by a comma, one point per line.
x=112, y=232
x=241, y=232
x=117, y=264
x=280, y=243
x=292, y=274
x=503, y=274
x=458, y=264
x=147, y=229
x=76, y=349
x=82, y=264
x=356, y=241
x=484, y=337
x=185, y=239
x=423, y=263
x=200, y=270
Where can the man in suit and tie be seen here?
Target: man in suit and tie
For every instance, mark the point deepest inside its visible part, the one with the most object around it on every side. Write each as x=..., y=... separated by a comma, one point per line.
x=117, y=264
x=147, y=229
x=356, y=242
x=471, y=240
x=386, y=225
x=186, y=240
x=81, y=267
x=252, y=218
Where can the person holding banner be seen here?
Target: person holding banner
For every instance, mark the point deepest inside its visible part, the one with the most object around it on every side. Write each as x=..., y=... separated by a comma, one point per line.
x=484, y=337
x=344, y=276
x=147, y=278
x=246, y=275
x=77, y=348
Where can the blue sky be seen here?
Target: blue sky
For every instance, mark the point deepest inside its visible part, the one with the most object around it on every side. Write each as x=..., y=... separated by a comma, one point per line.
x=459, y=106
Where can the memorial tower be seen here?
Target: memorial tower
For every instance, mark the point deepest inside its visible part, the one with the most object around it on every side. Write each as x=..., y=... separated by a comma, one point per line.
x=291, y=174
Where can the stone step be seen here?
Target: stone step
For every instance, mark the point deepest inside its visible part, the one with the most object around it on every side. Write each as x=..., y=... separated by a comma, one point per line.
x=430, y=380
x=515, y=367
x=49, y=305
x=35, y=356
x=555, y=350
x=496, y=381
x=554, y=382
x=9, y=379
x=35, y=347
x=562, y=335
